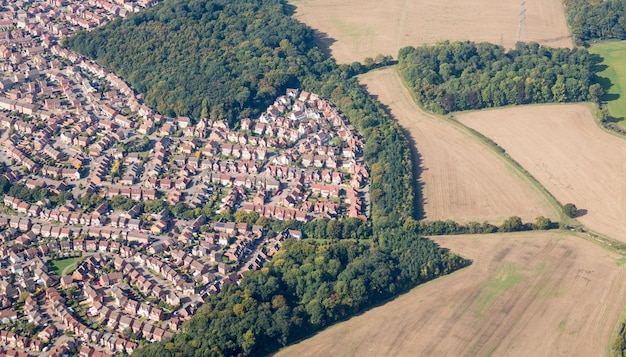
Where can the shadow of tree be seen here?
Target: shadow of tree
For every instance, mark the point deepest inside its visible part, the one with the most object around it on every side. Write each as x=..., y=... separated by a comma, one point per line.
x=598, y=66
x=580, y=213
x=290, y=9
x=323, y=41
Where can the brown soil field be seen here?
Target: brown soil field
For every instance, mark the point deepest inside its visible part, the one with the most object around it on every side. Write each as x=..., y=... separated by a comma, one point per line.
x=461, y=178
x=573, y=158
x=355, y=29
x=526, y=294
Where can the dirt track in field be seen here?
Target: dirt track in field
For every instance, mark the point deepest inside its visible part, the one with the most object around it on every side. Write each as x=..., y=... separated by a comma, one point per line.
x=526, y=294
x=354, y=30
x=461, y=178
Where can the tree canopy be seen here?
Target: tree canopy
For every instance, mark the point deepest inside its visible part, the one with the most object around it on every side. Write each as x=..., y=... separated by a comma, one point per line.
x=223, y=58
x=591, y=20
x=570, y=209
x=457, y=76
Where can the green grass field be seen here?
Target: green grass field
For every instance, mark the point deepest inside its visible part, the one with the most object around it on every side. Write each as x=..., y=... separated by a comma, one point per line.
x=59, y=265
x=614, y=75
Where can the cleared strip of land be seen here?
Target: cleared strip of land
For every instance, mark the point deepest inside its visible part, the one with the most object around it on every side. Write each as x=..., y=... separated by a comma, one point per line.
x=565, y=150
x=356, y=29
x=461, y=179
x=526, y=294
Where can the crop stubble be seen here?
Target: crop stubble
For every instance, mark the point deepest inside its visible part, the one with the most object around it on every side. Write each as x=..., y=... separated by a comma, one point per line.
x=566, y=151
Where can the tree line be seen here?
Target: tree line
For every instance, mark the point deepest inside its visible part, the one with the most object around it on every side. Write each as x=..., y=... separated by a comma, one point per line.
x=511, y=224
x=33, y=195
x=459, y=76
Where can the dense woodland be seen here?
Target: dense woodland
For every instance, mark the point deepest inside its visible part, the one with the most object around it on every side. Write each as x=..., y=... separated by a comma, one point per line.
x=457, y=76
x=591, y=20
x=223, y=58
x=197, y=58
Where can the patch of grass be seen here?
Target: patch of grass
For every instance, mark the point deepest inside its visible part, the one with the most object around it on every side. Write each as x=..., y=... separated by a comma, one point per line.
x=353, y=30
x=621, y=261
x=612, y=77
x=562, y=326
x=59, y=265
x=504, y=279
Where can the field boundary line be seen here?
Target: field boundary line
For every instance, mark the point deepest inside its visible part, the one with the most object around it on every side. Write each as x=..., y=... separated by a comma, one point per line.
x=567, y=224
x=509, y=162
x=571, y=224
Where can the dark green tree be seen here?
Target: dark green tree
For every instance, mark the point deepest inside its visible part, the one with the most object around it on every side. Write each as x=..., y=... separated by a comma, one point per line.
x=569, y=209
x=542, y=223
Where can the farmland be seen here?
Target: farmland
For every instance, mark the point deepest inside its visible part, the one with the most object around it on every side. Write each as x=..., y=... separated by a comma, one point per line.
x=525, y=294
x=613, y=54
x=461, y=178
x=354, y=30
x=563, y=148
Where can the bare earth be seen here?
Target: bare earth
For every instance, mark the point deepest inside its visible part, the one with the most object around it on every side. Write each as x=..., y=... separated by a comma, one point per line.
x=462, y=179
x=526, y=294
x=356, y=29
x=569, y=154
